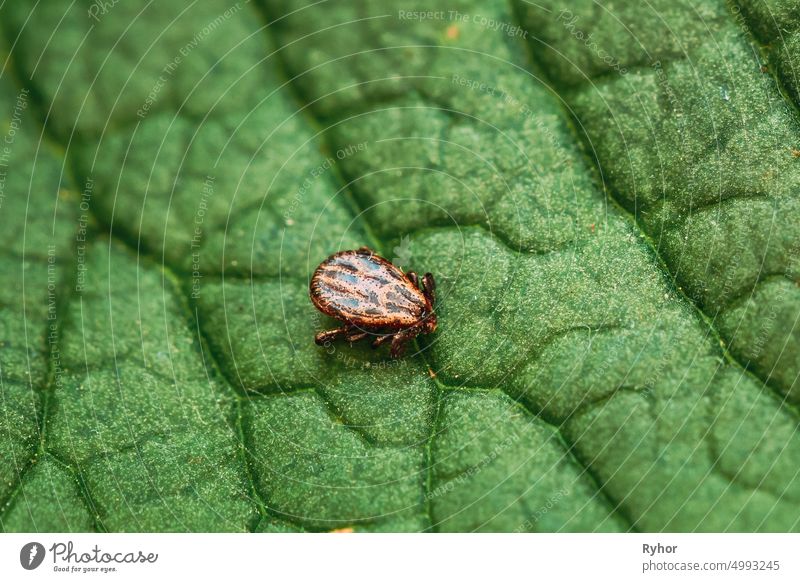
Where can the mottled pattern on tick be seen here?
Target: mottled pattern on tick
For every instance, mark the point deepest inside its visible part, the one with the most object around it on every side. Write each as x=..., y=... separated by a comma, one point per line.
x=355, y=286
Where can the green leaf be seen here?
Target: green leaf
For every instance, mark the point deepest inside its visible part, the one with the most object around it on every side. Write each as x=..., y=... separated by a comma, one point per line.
x=606, y=194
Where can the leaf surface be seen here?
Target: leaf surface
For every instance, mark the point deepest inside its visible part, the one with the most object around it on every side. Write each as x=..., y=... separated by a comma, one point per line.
x=613, y=226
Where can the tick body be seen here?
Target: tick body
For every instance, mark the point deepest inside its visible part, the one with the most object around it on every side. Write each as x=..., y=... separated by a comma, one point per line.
x=373, y=299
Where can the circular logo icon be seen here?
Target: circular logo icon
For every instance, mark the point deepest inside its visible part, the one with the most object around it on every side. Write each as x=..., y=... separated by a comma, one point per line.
x=31, y=555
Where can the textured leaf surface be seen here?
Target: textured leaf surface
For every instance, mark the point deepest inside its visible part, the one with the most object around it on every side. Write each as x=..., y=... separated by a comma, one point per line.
x=607, y=195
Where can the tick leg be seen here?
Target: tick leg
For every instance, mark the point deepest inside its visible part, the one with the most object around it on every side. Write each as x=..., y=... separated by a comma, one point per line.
x=398, y=345
x=412, y=276
x=365, y=251
x=400, y=340
x=354, y=337
x=382, y=340
x=324, y=337
x=429, y=287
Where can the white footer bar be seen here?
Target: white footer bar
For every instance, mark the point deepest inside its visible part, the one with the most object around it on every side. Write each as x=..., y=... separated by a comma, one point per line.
x=389, y=557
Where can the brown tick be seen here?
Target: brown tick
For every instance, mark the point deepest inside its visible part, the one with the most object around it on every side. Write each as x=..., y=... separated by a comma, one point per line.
x=372, y=297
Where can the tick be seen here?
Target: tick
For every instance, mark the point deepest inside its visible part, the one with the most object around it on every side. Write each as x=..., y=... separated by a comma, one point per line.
x=372, y=297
